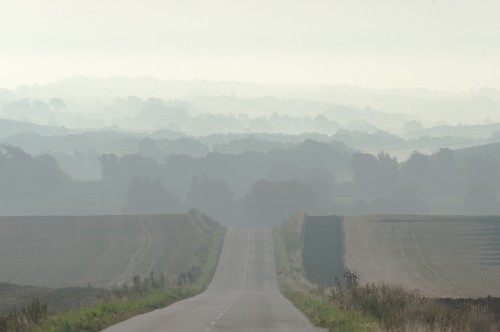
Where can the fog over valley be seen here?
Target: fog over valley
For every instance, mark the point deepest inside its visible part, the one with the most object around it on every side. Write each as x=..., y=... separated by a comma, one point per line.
x=222, y=151
x=282, y=166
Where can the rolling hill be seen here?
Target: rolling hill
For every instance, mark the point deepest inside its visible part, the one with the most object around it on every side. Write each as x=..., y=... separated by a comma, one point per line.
x=102, y=251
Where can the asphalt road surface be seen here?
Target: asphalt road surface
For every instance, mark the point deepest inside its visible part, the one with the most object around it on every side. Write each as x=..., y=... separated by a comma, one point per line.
x=243, y=296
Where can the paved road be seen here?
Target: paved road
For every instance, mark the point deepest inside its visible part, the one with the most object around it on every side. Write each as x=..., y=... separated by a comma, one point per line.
x=243, y=296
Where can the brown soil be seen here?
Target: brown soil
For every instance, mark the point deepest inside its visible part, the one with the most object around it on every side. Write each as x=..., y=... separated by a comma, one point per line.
x=440, y=256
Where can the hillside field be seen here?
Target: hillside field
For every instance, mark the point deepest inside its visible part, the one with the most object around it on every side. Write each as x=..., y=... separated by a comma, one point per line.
x=452, y=256
x=100, y=251
x=371, y=298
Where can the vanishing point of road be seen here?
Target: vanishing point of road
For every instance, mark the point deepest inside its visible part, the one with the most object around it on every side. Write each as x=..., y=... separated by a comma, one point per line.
x=242, y=297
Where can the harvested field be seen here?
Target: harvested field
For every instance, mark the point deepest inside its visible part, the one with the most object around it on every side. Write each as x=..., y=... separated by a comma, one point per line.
x=98, y=250
x=440, y=256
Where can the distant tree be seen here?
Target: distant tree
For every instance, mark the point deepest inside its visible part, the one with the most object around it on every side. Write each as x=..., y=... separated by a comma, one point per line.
x=269, y=203
x=135, y=103
x=321, y=181
x=154, y=102
x=388, y=172
x=380, y=205
x=322, y=188
x=323, y=125
x=481, y=199
x=16, y=172
x=361, y=207
x=22, y=175
x=406, y=201
x=213, y=197
x=377, y=175
x=135, y=165
x=449, y=178
x=155, y=113
x=40, y=107
x=364, y=167
x=123, y=170
x=182, y=145
x=417, y=172
x=286, y=172
x=413, y=125
x=17, y=109
x=150, y=197
x=148, y=148
x=48, y=175
x=110, y=167
x=57, y=104
x=484, y=170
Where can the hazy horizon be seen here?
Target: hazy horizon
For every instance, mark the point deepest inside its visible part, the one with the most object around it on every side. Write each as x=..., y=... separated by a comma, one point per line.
x=436, y=45
x=339, y=86
x=338, y=153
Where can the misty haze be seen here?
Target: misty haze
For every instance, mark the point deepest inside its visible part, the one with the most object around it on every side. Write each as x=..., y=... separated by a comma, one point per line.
x=249, y=166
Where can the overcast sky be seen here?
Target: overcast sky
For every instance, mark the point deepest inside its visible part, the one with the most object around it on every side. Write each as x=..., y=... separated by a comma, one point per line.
x=447, y=45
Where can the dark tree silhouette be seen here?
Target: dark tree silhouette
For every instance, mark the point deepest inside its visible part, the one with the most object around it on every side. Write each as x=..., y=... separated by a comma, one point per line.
x=213, y=197
x=57, y=104
x=110, y=167
x=148, y=148
x=375, y=174
x=22, y=175
x=449, y=178
x=481, y=199
x=269, y=203
x=417, y=172
x=484, y=170
x=150, y=197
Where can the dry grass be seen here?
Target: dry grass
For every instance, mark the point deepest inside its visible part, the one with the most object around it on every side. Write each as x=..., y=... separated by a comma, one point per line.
x=398, y=309
x=21, y=320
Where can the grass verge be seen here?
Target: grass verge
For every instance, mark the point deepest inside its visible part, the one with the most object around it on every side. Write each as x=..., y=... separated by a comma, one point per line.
x=398, y=309
x=352, y=306
x=312, y=300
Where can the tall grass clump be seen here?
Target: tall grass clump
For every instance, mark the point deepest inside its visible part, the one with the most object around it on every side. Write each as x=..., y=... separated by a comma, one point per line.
x=21, y=320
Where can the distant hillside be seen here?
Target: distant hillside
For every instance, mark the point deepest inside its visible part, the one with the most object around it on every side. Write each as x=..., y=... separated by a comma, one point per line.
x=477, y=131
x=421, y=104
x=486, y=150
x=11, y=127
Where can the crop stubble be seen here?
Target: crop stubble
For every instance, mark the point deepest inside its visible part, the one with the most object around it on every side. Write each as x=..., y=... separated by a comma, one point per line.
x=441, y=256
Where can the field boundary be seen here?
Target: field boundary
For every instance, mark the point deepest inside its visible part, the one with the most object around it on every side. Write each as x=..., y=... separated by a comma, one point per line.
x=310, y=299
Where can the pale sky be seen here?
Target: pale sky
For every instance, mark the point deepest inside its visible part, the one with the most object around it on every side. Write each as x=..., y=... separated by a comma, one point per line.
x=446, y=45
